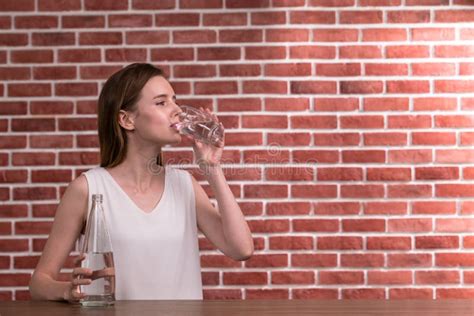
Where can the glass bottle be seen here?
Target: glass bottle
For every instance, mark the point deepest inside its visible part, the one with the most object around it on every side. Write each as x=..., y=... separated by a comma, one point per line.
x=200, y=125
x=99, y=257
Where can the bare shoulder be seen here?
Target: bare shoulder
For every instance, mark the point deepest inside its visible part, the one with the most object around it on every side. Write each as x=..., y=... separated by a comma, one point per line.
x=75, y=198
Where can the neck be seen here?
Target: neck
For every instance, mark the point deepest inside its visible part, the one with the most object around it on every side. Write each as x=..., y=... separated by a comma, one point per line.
x=139, y=165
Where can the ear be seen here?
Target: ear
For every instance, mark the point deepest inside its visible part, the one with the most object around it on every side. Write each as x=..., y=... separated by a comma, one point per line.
x=125, y=120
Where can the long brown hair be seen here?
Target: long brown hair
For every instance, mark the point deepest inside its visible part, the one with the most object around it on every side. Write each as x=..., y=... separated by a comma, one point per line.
x=120, y=92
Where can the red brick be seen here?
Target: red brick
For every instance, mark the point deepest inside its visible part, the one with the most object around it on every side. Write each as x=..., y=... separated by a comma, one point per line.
x=360, y=52
x=362, y=260
x=222, y=19
x=315, y=294
x=29, y=90
x=433, y=138
x=387, y=208
x=313, y=87
x=53, y=39
x=14, y=73
x=33, y=125
x=13, y=39
x=244, y=278
x=361, y=121
x=239, y=36
x=338, y=70
x=411, y=260
x=100, y=38
x=153, y=5
x=410, y=156
x=195, y=36
x=76, y=89
x=264, y=52
x=238, y=4
x=294, y=69
x=377, y=69
x=434, y=104
x=315, y=225
x=288, y=208
x=339, y=243
x=436, y=242
x=312, y=17
x=408, y=16
x=13, y=176
x=83, y=21
x=409, y=225
x=410, y=293
x=51, y=141
x=218, y=53
x=339, y=139
x=268, y=226
x=78, y=158
x=341, y=277
x=289, y=174
x=426, y=2
x=177, y=19
x=454, y=293
x=363, y=156
x=64, y=5
x=335, y=35
x=388, y=174
x=454, y=16
x=34, y=193
x=408, y=86
x=288, y=3
x=268, y=18
x=385, y=139
x=313, y=260
x=130, y=20
x=360, y=293
x=243, y=139
x=384, y=35
x=266, y=294
x=339, y=174
x=332, y=3
x=36, y=22
x=313, y=191
x=360, y=17
x=388, y=243
x=437, y=173
x=429, y=207
x=286, y=139
x=215, y=87
x=389, y=277
x=407, y=51
x=315, y=156
x=290, y=243
x=239, y=70
x=54, y=73
x=79, y=55
x=14, y=279
x=455, y=156
x=454, y=225
x=265, y=191
x=409, y=121
x=265, y=86
x=22, y=5
x=32, y=56
x=125, y=54
x=239, y=104
x=370, y=3
x=12, y=142
x=267, y=261
x=292, y=277
x=454, y=259
x=409, y=190
x=313, y=52
x=336, y=104
x=363, y=225
x=165, y=54
x=432, y=34
x=453, y=86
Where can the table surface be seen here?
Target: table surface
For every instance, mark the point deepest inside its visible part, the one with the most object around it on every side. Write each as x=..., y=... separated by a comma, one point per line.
x=247, y=307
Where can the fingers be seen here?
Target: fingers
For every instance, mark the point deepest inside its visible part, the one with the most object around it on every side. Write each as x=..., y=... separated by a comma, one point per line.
x=77, y=282
x=76, y=296
x=80, y=272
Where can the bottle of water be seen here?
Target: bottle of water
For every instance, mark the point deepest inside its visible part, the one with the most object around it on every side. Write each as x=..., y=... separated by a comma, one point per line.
x=200, y=125
x=99, y=257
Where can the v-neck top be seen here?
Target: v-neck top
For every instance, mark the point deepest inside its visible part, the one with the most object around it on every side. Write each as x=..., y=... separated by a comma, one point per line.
x=156, y=254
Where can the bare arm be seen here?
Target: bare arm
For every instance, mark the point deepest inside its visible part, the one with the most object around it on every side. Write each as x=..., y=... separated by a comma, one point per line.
x=68, y=222
x=226, y=228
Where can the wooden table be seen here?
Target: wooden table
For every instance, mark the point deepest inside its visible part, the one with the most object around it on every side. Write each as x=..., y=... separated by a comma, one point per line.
x=247, y=307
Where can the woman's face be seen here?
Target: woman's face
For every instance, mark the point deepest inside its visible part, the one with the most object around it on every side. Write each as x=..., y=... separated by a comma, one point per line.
x=156, y=110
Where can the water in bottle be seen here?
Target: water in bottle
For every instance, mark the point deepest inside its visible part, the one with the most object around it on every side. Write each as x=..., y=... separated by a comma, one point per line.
x=97, y=248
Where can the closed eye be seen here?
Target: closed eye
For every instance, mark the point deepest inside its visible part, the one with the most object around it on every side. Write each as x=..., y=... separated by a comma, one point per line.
x=160, y=103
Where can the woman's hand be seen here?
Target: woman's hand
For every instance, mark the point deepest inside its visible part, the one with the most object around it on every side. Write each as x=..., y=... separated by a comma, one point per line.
x=207, y=155
x=79, y=277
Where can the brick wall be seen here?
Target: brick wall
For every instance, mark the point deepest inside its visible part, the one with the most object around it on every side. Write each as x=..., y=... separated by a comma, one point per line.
x=349, y=133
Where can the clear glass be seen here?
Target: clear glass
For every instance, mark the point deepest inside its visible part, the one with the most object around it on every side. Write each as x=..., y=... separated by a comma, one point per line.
x=99, y=257
x=200, y=125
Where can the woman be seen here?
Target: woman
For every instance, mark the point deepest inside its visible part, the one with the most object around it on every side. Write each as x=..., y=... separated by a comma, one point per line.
x=153, y=212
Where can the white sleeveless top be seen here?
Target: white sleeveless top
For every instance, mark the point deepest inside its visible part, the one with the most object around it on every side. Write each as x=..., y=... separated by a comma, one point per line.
x=156, y=254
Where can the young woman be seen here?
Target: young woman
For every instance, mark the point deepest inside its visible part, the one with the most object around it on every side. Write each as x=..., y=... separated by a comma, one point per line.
x=153, y=212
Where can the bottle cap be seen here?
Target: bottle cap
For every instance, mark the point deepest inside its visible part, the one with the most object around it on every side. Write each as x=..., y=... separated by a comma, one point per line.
x=97, y=197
